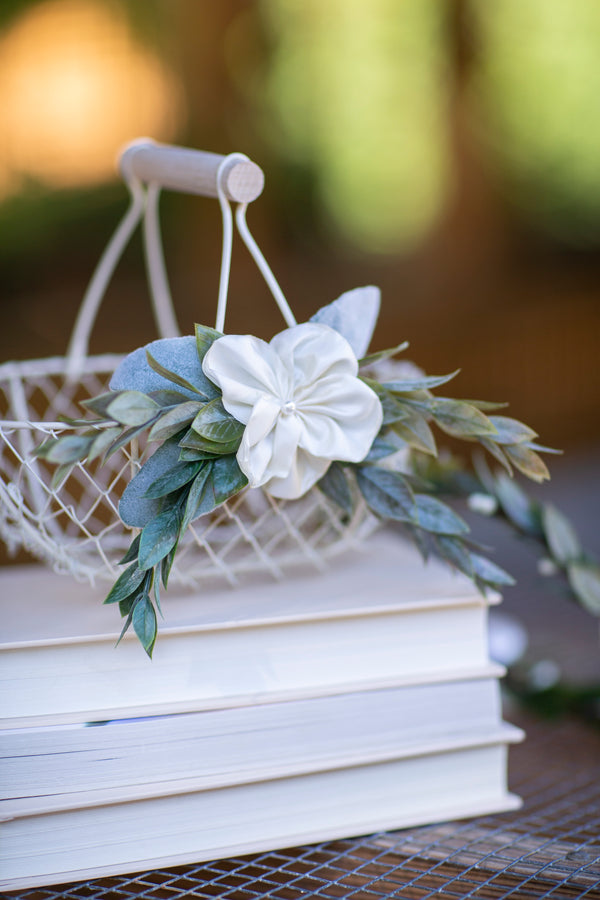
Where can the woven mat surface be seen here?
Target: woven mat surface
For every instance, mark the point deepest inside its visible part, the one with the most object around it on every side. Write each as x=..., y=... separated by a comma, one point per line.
x=549, y=848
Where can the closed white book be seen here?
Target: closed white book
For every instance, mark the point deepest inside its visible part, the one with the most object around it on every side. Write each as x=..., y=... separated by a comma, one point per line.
x=373, y=618
x=427, y=784
x=54, y=767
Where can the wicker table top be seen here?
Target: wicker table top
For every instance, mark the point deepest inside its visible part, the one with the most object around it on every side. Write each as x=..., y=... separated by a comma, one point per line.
x=549, y=848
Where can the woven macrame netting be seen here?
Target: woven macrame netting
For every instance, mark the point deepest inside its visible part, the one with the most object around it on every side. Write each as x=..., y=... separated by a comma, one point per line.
x=74, y=525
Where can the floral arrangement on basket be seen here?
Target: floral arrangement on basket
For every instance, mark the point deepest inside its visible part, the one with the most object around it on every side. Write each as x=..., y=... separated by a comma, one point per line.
x=309, y=412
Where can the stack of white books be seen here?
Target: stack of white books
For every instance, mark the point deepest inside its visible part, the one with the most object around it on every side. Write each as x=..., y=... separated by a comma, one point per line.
x=329, y=705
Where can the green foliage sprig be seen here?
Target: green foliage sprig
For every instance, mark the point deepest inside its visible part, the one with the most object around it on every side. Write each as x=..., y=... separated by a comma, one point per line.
x=198, y=441
x=410, y=409
x=548, y=528
x=204, y=473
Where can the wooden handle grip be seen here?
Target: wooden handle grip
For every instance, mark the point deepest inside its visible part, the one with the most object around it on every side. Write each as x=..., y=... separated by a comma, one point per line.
x=191, y=171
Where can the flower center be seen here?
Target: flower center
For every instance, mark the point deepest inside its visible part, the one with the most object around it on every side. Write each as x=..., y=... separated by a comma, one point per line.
x=288, y=407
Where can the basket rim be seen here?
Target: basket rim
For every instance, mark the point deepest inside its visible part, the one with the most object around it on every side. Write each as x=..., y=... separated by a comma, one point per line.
x=52, y=365
x=57, y=365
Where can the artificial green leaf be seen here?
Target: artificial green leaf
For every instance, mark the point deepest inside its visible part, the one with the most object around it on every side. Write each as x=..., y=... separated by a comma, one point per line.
x=126, y=607
x=159, y=536
x=419, y=539
x=416, y=432
x=517, y=505
x=171, y=481
x=511, y=431
x=188, y=455
x=527, y=461
x=584, y=578
x=560, y=535
x=193, y=441
x=205, y=338
x=76, y=423
x=132, y=408
x=144, y=623
x=166, y=565
x=461, y=419
x=173, y=376
x=393, y=409
x=454, y=551
x=486, y=405
x=128, y=435
x=201, y=498
x=166, y=398
x=227, y=478
x=387, y=493
x=334, y=485
x=100, y=404
x=157, y=593
x=498, y=453
x=380, y=448
x=489, y=572
x=132, y=553
x=214, y=423
x=540, y=449
x=174, y=420
x=70, y=448
x=435, y=516
x=427, y=382
x=60, y=475
x=127, y=623
x=126, y=584
x=102, y=442
x=382, y=354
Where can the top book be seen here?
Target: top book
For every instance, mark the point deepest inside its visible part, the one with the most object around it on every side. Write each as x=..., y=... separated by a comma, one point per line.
x=376, y=618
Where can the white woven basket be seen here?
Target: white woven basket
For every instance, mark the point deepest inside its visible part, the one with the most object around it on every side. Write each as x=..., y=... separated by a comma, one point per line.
x=74, y=526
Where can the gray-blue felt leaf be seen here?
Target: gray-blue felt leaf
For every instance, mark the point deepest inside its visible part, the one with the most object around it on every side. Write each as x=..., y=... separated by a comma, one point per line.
x=178, y=354
x=136, y=509
x=354, y=315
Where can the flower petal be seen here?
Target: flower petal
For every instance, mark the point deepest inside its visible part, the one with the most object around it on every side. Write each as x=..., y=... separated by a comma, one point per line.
x=340, y=420
x=311, y=351
x=245, y=368
x=304, y=473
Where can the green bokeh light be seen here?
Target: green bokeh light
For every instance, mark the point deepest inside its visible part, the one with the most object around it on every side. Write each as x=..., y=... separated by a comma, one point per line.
x=537, y=90
x=358, y=93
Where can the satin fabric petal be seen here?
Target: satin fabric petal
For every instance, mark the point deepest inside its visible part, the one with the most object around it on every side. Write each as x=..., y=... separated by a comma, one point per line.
x=245, y=368
x=304, y=474
x=311, y=351
x=301, y=401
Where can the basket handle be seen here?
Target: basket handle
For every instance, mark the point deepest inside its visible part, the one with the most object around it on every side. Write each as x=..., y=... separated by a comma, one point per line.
x=230, y=178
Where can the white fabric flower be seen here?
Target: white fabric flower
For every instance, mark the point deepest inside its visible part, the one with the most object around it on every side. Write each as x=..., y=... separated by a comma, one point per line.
x=301, y=402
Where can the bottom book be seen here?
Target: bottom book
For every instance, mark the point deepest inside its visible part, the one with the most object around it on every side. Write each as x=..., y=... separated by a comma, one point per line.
x=426, y=784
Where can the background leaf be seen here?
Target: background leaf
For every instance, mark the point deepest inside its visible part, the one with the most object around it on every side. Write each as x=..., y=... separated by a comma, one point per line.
x=144, y=623
x=126, y=584
x=159, y=536
x=461, y=419
x=175, y=420
x=334, y=485
x=427, y=382
x=215, y=424
x=560, y=535
x=584, y=578
x=132, y=408
x=205, y=338
x=227, y=477
x=435, y=516
x=172, y=480
x=387, y=493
